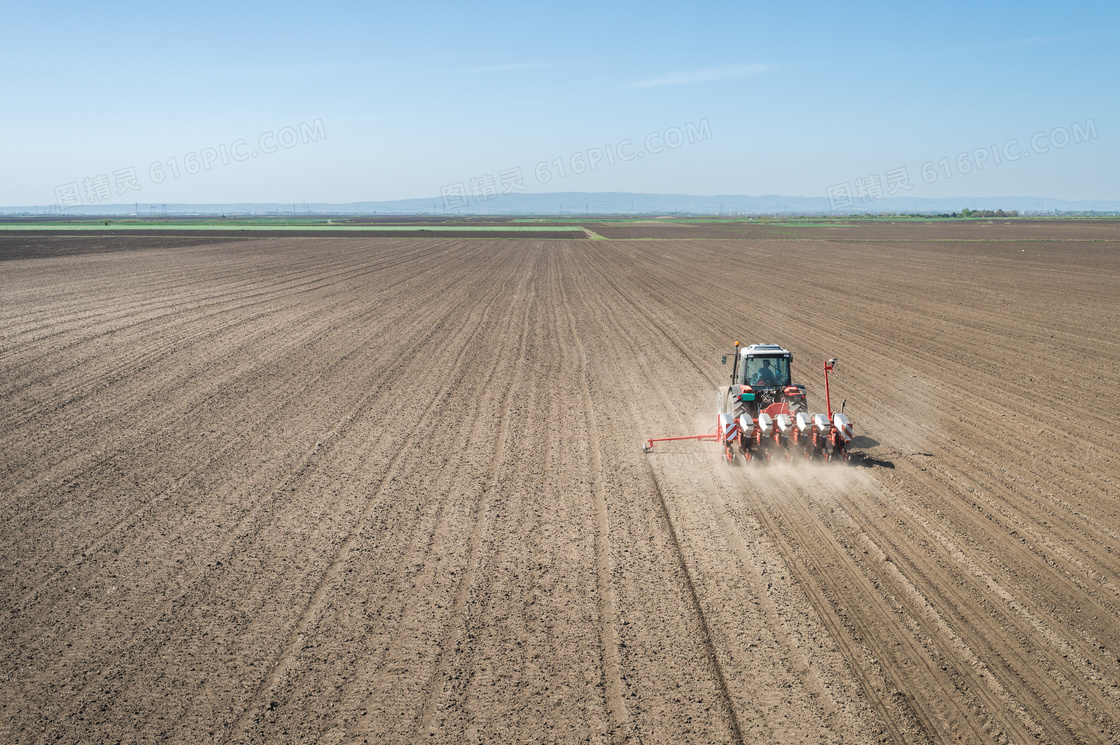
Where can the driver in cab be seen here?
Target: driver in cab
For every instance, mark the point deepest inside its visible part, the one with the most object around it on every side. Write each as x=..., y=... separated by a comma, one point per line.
x=766, y=375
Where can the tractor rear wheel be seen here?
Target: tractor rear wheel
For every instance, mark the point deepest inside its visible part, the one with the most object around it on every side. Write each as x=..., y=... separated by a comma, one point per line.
x=730, y=404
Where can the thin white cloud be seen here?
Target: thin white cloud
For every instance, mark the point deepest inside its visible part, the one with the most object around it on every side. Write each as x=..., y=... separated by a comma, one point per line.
x=727, y=72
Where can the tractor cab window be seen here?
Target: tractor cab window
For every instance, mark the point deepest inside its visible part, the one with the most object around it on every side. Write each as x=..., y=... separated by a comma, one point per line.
x=766, y=371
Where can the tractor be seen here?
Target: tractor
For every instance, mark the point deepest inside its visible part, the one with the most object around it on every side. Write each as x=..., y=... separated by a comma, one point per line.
x=763, y=414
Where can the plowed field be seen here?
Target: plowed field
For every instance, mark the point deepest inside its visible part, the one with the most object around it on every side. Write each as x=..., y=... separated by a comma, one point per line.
x=346, y=490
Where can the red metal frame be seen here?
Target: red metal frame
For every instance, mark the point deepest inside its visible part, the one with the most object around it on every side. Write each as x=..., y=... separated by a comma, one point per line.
x=711, y=438
x=827, y=397
x=815, y=437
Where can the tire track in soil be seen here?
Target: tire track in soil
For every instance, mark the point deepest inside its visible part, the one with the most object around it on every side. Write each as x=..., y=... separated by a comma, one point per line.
x=920, y=593
x=418, y=550
x=790, y=558
x=718, y=506
x=1013, y=669
x=867, y=682
x=146, y=357
x=903, y=660
x=952, y=623
x=88, y=472
x=402, y=611
x=94, y=464
x=230, y=301
x=288, y=484
x=329, y=576
x=235, y=273
x=131, y=518
x=421, y=549
x=863, y=662
x=800, y=667
x=730, y=713
x=396, y=596
x=236, y=438
x=611, y=661
x=799, y=663
x=453, y=630
x=1028, y=631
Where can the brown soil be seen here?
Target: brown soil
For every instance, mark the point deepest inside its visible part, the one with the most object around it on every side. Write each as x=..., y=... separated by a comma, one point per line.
x=46, y=244
x=168, y=237
x=976, y=229
x=377, y=490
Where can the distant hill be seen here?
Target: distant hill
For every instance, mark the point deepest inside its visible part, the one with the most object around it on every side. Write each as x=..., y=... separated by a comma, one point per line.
x=579, y=203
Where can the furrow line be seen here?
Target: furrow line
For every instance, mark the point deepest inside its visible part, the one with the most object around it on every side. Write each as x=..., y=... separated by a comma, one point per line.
x=611, y=662
x=452, y=629
x=309, y=612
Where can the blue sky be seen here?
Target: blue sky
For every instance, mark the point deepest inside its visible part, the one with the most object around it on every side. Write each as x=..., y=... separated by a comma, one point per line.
x=404, y=100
